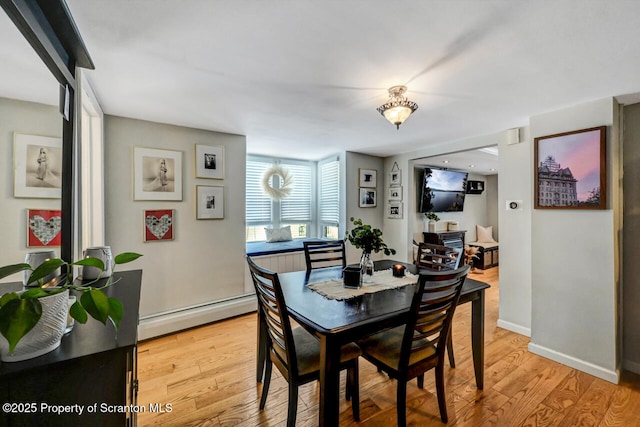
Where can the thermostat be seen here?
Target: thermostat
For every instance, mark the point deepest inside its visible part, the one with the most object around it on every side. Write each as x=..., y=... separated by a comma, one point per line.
x=513, y=205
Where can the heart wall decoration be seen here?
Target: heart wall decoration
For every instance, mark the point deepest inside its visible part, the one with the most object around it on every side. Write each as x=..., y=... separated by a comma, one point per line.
x=43, y=228
x=158, y=224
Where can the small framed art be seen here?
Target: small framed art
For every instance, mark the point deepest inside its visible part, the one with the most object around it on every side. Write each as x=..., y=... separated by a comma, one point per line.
x=158, y=224
x=395, y=193
x=368, y=198
x=395, y=177
x=570, y=170
x=395, y=210
x=209, y=202
x=43, y=228
x=37, y=166
x=209, y=162
x=367, y=178
x=157, y=174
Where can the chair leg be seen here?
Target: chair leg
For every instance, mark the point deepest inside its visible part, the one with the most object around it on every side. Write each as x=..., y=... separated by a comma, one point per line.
x=421, y=380
x=266, y=382
x=452, y=361
x=293, y=404
x=353, y=384
x=263, y=347
x=442, y=397
x=401, y=402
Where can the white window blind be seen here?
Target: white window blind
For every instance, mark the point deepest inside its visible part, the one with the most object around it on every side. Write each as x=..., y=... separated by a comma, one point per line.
x=329, y=182
x=258, y=203
x=296, y=207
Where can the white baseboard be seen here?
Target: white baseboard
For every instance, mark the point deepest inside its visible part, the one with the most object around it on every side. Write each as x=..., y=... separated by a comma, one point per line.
x=166, y=323
x=631, y=366
x=581, y=365
x=514, y=328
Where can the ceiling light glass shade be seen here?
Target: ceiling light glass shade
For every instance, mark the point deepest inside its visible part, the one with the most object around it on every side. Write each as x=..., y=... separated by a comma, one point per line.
x=398, y=108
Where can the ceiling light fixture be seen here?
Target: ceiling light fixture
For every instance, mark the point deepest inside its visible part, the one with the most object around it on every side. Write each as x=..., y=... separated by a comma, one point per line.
x=398, y=108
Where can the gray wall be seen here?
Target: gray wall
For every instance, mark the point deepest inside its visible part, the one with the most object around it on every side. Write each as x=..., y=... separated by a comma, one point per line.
x=30, y=118
x=205, y=261
x=575, y=260
x=631, y=233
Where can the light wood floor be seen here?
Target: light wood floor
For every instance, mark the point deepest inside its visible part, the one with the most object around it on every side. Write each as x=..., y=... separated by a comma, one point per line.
x=207, y=375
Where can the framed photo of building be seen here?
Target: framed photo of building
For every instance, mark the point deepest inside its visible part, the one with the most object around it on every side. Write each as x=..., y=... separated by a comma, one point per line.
x=368, y=198
x=157, y=174
x=37, y=165
x=158, y=224
x=367, y=178
x=43, y=228
x=209, y=202
x=570, y=170
x=209, y=162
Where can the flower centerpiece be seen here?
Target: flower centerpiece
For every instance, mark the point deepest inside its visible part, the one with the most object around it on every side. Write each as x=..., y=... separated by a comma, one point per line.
x=369, y=239
x=20, y=312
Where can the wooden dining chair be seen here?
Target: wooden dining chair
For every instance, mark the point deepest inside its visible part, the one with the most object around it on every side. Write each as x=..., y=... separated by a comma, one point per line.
x=294, y=351
x=322, y=254
x=408, y=351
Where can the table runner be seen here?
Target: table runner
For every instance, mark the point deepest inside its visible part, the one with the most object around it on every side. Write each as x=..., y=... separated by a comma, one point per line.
x=381, y=280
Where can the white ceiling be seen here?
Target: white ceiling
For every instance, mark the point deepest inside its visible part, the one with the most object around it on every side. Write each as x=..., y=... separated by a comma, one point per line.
x=302, y=79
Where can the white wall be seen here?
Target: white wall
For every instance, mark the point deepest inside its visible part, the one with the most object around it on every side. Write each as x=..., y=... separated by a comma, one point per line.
x=575, y=260
x=204, y=264
x=29, y=118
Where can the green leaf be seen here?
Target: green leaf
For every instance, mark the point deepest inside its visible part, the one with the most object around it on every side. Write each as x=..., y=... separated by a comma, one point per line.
x=45, y=269
x=35, y=293
x=78, y=312
x=8, y=270
x=115, y=312
x=96, y=304
x=91, y=262
x=17, y=318
x=8, y=297
x=126, y=257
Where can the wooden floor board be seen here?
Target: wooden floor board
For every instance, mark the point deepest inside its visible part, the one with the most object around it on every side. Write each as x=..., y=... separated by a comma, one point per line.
x=207, y=374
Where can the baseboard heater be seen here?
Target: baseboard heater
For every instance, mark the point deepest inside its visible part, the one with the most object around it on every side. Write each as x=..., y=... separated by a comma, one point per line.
x=176, y=320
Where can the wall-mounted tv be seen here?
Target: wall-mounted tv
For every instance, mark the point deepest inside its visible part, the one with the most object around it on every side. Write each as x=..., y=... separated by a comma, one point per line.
x=442, y=190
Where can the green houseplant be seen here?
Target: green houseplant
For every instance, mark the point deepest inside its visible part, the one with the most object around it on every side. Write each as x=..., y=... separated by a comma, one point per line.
x=369, y=239
x=21, y=311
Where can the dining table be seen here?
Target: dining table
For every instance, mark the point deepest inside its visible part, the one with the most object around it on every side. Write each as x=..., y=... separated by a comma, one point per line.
x=336, y=322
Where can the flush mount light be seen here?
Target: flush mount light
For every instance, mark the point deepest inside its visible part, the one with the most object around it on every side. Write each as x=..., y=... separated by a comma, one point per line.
x=398, y=108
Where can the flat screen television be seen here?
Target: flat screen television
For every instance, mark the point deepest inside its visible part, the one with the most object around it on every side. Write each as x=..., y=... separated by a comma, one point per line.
x=442, y=190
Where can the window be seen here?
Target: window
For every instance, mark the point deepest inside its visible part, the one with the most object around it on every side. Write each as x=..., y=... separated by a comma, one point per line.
x=329, y=198
x=295, y=210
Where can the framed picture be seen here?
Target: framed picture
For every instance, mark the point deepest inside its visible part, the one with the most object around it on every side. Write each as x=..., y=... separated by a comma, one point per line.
x=157, y=174
x=209, y=202
x=367, y=198
x=158, y=224
x=367, y=178
x=395, y=177
x=209, y=162
x=395, y=210
x=570, y=170
x=43, y=228
x=395, y=193
x=37, y=166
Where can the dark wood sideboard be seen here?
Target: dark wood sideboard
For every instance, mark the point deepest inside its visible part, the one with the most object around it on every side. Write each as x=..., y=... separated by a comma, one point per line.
x=444, y=237
x=93, y=368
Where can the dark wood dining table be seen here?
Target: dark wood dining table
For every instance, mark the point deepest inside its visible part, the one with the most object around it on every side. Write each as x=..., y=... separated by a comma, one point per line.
x=336, y=322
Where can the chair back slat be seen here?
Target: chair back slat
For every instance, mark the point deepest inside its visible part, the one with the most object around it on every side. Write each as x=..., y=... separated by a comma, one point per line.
x=272, y=305
x=432, y=310
x=322, y=254
x=437, y=257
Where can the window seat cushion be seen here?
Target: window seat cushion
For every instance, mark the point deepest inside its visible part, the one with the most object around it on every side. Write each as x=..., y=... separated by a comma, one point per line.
x=484, y=245
x=264, y=248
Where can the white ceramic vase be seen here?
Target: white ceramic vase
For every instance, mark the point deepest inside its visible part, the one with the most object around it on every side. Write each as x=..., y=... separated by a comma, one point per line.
x=34, y=259
x=46, y=335
x=103, y=253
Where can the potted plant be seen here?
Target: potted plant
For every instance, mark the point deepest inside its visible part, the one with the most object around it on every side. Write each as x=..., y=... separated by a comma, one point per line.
x=20, y=312
x=369, y=239
x=433, y=218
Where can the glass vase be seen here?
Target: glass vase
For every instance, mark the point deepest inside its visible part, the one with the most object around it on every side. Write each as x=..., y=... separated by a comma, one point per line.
x=366, y=265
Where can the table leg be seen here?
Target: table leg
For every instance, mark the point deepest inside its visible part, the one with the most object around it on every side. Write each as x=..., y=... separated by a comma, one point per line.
x=329, y=382
x=477, y=338
x=262, y=347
